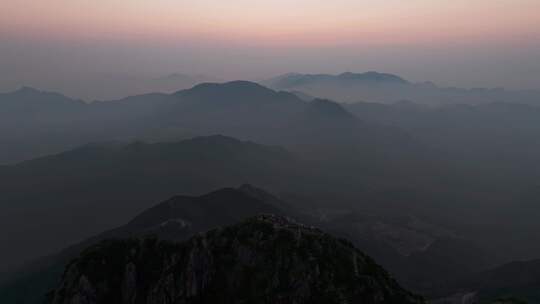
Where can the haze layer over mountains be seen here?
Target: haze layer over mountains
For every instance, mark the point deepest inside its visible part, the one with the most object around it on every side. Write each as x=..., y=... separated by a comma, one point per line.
x=388, y=88
x=439, y=186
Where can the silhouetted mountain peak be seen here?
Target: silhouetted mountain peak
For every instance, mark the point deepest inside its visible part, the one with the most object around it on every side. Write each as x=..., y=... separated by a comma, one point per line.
x=30, y=99
x=234, y=94
x=327, y=108
x=216, y=139
x=258, y=193
x=238, y=87
x=220, y=207
x=232, y=193
x=27, y=90
x=263, y=259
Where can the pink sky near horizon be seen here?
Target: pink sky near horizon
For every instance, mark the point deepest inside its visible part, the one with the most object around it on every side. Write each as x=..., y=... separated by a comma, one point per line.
x=277, y=23
x=72, y=45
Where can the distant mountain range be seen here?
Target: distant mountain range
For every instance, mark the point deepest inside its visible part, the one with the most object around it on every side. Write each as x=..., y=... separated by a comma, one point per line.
x=379, y=174
x=100, y=185
x=35, y=123
x=388, y=88
x=296, y=80
x=355, y=148
x=110, y=86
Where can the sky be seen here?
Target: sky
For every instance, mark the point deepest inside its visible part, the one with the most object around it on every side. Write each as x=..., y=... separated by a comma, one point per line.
x=67, y=44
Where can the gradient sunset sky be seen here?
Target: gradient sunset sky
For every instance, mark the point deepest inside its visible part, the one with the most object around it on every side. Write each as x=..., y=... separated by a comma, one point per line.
x=465, y=43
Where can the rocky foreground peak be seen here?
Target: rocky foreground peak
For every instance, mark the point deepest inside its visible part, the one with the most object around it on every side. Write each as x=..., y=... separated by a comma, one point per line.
x=264, y=259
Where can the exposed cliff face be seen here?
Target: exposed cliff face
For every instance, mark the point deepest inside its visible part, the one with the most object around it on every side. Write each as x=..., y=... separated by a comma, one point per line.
x=265, y=259
x=175, y=219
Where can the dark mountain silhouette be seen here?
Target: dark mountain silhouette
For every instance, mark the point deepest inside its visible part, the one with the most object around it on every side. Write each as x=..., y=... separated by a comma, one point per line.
x=234, y=92
x=196, y=214
x=321, y=108
x=467, y=167
x=35, y=123
x=174, y=82
x=241, y=109
x=402, y=246
x=175, y=219
x=31, y=101
x=100, y=185
x=326, y=132
x=493, y=151
x=319, y=129
x=325, y=127
x=265, y=259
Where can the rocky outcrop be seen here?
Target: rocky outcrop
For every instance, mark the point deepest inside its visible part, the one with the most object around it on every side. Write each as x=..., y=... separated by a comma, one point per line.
x=265, y=259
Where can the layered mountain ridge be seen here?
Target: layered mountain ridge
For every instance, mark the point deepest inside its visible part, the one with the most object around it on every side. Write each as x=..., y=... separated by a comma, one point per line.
x=389, y=88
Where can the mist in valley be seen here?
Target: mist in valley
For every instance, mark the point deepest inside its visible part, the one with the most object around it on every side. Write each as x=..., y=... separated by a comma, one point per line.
x=227, y=166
